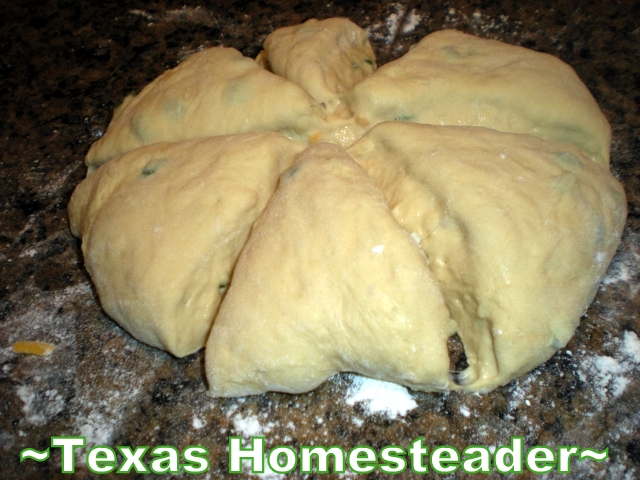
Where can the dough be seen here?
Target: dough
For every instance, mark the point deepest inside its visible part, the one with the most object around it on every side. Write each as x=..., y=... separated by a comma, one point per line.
x=163, y=225
x=518, y=231
x=325, y=57
x=328, y=282
x=213, y=92
x=451, y=78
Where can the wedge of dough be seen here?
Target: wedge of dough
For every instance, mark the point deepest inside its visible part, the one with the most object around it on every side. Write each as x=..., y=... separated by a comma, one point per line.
x=328, y=282
x=451, y=78
x=163, y=225
x=325, y=57
x=213, y=92
x=518, y=231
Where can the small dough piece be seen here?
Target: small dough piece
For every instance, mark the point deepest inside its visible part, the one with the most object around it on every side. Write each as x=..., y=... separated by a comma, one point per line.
x=325, y=57
x=213, y=92
x=28, y=347
x=518, y=231
x=328, y=282
x=451, y=78
x=163, y=225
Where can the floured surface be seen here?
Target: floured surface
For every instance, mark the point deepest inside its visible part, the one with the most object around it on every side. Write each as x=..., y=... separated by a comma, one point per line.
x=132, y=391
x=389, y=400
x=102, y=384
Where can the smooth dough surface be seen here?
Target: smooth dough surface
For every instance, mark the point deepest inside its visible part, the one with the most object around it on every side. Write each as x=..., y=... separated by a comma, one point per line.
x=213, y=92
x=325, y=57
x=328, y=282
x=518, y=231
x=451, y=78
x=163, y=225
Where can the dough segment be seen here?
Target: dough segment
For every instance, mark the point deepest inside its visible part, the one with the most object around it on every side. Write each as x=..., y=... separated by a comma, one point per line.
x=518, y=231
x=451, y=78
x=328, y=282
x=325, y=57
x=163, y=225
x=213, y=92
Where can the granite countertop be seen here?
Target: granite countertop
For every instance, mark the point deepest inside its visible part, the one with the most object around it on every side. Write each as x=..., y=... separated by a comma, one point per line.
x=66, y=64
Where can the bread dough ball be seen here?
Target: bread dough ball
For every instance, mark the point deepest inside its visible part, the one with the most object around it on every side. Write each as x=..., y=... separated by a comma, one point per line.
x=450, y=78
x=518, y=232
x=325, y=57
x=515, y=231
x=163, y=225
x=328, y=282
x=213, y=92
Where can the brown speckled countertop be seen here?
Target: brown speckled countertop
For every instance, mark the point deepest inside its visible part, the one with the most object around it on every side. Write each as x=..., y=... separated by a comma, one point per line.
x=65, y=65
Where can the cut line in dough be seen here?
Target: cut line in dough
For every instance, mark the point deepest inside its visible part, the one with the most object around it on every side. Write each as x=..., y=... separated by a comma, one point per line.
x=313, y=293
x=163, y=225
x=518, y=232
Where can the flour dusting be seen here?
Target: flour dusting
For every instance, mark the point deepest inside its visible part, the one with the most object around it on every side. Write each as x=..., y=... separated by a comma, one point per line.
x=520, y=392
x=46, y=317
x=411, y=21
x=378, y=397
x=609, y=375
x=98, y=429
x=28, y=396
x=625, y=267
x=605, y=374
x=631, y=346
x=394, y=23
x=197, y=423
x=250, y=425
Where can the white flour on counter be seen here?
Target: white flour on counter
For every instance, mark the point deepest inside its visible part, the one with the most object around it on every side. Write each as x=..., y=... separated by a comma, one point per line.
x=249, y=426
x=378, y=397
x=411, y=21
x=609, y=375
x=48, y=317
x=394, y=22
x=625, y=266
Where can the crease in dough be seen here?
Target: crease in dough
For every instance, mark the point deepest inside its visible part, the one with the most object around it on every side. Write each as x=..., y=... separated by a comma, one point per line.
x=216, y=91
x=328, y=282
x=519, y=232
x=163, y=225
x=452, y=78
